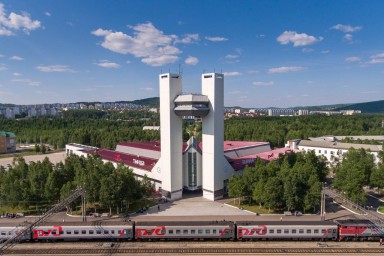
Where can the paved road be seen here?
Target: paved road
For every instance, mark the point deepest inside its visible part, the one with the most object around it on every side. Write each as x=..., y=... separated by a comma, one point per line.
x=53, y=157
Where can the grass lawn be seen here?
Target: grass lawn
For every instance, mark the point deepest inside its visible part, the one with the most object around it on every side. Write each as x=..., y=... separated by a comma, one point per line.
x=381, y=209
x=254, y=208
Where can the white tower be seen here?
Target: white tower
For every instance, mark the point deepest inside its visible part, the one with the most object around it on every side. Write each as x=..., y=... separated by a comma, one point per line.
x=171, y=137
x=213, y=136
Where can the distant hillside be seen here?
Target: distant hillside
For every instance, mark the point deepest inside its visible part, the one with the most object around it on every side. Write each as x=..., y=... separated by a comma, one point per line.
x=366, y=107
x=152, y=102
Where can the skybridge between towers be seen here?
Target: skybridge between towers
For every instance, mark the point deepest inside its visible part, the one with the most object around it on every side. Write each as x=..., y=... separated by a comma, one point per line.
x=26, y=230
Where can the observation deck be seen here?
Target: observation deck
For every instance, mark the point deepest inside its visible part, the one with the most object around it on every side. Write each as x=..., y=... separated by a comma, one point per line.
x=192, y=105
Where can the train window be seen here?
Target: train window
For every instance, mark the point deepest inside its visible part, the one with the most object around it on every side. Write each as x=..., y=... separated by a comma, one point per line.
x=301, y=231
x=220, y=231
x=293, y=231
x=112, y=231
x=185, y=231
x=91, y=232
x=309, y=231
x=323, y=231
x=83, y=232
x=162, y=232
x=214, y=231
x=98, y=232
x=53, y=232
x=178, y=231
x=106, y=232
x=316, y=231
x=207, y=231
x=170, y=231
x=3, y=233
x=335, y=231
x=193, y=231
x=278, y=231
x=271, y=231
x=200, y=231
x=61, y=232
x=119, y=232
x=69, y=232
x=45, y=232
x=286, y=231
x=76, y=232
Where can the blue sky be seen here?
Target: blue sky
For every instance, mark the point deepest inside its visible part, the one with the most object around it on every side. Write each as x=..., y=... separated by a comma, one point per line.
x=273, y=53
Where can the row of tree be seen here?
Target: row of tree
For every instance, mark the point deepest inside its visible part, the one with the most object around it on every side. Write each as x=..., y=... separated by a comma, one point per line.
x=357, y=171
x=105, y=129
x=293, y=182
x=26, y=185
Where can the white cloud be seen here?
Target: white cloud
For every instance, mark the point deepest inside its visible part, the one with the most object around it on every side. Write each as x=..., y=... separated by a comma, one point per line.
x=16, y=74
x=285, y=69
x=3, y=67
x=216, y=39
x=107, y=64
x=376, y=59
x=325, y=51
x=47, y=14
x=232, y=56
x=26, y=82
x=54, y=68
x=348, y=37
x=188, y=39
x=14, y=22
x=148, y=43
x=17, y=58
x=347, y=28
x=233, y=73
x=297, y=39
x=191, y=60
x=352, y=59
x=128, y=62
x=307, y=50
x=147, y=88
x=1, y=55
x=158, y=61
x=263, y=83
x=253, y=71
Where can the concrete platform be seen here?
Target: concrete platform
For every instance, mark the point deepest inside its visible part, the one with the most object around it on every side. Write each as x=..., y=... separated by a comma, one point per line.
x=195, y=206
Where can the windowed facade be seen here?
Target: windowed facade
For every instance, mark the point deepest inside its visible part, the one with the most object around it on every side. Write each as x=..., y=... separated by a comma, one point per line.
x=192, y=170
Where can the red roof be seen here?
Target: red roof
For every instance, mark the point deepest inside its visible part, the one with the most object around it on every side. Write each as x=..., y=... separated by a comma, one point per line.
x=140, y=162
x=240, y=163
x=232, y=145
x=150, y=145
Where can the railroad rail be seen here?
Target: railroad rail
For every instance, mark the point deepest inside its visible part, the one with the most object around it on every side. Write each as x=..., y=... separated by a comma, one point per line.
x=178, y=251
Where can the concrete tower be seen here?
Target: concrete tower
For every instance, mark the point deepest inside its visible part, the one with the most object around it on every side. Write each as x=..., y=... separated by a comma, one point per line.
x=213, y=136
x=171, y=137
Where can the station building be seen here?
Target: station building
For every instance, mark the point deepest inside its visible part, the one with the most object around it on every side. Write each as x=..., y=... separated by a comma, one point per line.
x=143, y=158
x=175, y=166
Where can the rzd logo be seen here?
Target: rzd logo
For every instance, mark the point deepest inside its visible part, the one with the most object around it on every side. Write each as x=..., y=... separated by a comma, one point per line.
x=157, y=231
x=47, y=232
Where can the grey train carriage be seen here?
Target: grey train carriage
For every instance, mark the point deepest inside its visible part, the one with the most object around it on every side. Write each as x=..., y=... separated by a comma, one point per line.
x=290, y=230
x=207, y=230
x=84, y=231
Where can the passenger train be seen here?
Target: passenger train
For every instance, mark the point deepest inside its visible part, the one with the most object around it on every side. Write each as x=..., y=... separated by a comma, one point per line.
x=342, y=230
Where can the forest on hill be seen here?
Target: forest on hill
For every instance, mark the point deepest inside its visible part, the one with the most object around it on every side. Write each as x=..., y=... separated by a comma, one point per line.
x=366, y=107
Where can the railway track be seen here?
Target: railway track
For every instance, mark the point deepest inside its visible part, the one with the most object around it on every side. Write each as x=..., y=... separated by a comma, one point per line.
x=178, y=251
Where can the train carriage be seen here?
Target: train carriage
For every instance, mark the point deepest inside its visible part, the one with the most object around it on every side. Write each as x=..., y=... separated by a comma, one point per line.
x=358, y=229
x=84, y=231
x=291, y=230
x=215, y=230
x=11, y=231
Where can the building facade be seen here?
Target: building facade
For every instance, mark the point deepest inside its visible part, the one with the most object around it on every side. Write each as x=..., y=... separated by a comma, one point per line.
x=7, y=142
